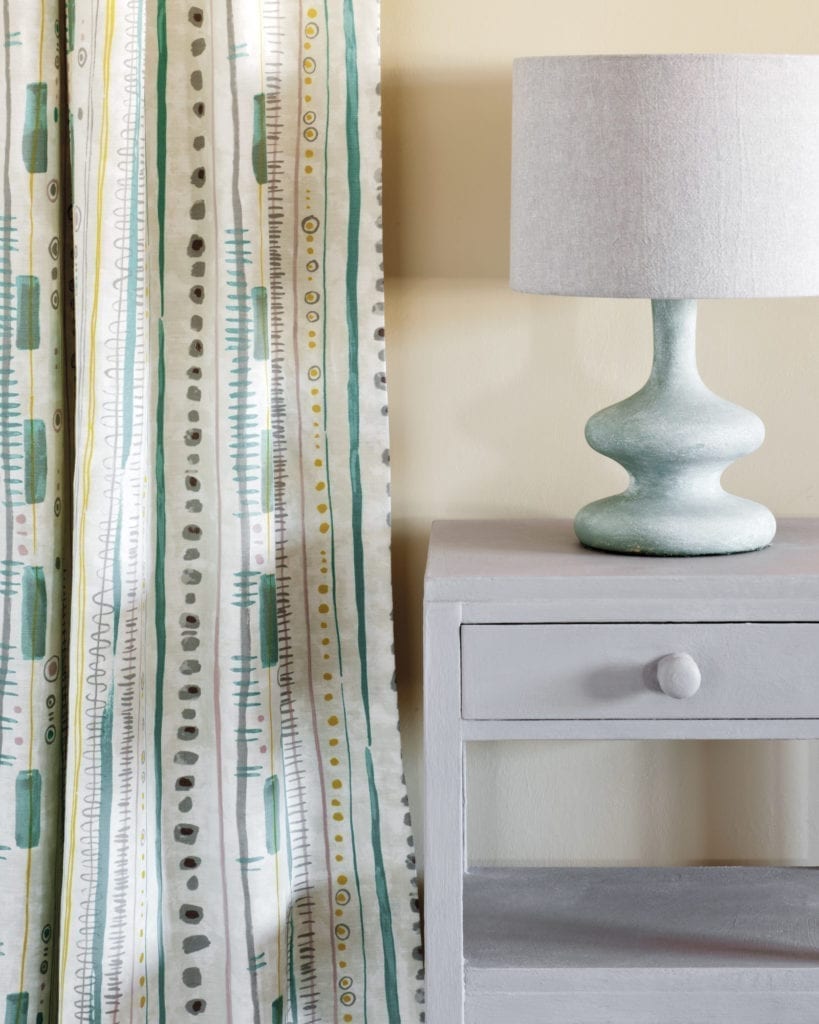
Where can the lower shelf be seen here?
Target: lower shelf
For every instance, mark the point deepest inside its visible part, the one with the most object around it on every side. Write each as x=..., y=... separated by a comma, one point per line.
x=642, y=944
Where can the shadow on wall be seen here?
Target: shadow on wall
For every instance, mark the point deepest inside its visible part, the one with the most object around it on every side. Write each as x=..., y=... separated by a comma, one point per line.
x=446, y=175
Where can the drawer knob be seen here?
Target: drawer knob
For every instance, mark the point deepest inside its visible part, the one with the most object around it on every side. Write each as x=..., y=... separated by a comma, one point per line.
x=678, y=675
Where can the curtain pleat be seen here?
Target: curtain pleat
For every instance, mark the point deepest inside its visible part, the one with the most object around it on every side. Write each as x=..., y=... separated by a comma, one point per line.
x=236, y=837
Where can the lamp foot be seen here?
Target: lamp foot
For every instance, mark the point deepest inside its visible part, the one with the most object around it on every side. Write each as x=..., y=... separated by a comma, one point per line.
x=675, y=438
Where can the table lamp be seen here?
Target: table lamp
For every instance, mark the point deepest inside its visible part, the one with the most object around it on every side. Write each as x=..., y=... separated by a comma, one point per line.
x=672, y=177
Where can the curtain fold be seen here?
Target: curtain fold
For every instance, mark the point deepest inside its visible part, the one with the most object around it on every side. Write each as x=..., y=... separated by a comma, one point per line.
x=236, y=834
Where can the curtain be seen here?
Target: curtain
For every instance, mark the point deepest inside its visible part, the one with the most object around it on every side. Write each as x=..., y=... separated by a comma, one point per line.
x=203, y=812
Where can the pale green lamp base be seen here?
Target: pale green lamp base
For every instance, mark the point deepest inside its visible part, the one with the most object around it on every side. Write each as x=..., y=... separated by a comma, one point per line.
x=675, y=438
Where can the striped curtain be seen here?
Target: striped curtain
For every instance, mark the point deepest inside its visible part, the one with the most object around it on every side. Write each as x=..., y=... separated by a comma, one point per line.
x=202, y=812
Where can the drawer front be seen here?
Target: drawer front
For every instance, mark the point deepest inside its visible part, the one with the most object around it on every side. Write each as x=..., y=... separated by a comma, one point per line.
x=609, y=670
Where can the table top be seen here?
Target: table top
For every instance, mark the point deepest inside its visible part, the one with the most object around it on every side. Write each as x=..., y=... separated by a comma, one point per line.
x=475, y=560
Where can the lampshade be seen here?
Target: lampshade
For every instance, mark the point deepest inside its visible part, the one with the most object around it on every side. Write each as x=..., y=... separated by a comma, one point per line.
x=666, y=176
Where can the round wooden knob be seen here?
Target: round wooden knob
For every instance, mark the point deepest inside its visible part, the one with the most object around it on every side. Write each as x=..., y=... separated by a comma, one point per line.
x=678, y=675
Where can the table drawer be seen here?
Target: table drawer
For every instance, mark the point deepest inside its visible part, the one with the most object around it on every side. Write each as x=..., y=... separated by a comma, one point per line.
x=609, y=670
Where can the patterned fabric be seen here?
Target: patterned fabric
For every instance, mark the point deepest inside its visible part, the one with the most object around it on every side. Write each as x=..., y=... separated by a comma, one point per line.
x=236, y=841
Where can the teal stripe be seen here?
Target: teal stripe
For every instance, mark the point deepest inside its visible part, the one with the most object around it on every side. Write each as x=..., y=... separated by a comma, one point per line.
x=259, y=139
x=34, y=613
x=161, y=135
x=28, y=312
x=353, y=231
x=384, y=912
x=268, y=485
x=271, y=813
x=35, y=461
x=277, y=1016
x=70, y=22
x=268, y=625
x=101, y=894
x=159, y=572
x=259, y=300
x=35, y=128
x=16, y=1008
x=159, y=624
x=28, y=791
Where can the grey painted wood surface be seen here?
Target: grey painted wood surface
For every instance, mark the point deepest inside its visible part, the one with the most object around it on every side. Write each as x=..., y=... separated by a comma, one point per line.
x=444, y=824
x=484, y=730
x=656, y=945
x=523, y=560
x=605, y=670
x=709, y=923
x=615, y=1007
x=599, y=948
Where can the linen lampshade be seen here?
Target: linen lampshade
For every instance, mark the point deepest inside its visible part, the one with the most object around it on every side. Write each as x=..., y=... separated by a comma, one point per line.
x=666, y=176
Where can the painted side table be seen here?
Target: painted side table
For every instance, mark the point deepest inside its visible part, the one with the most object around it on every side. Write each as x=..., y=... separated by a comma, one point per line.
x=529, y=636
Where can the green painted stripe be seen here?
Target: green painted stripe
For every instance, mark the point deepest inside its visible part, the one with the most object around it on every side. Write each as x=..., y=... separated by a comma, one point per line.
x=271, y=813
x=35, y=128
x=106, y=750
x=36, y=460
x=353, y=231
x=161, y=135
x=28, y=791
x=384, y=911
x=268, y=624
x=16, y=1008
x=260, y=346
x=161, y=540
x=70, y=23
x=28, y=312
x=268, y=495
x=161, y=642
x=34, y=613
x=277, y=1016
x=259, y=139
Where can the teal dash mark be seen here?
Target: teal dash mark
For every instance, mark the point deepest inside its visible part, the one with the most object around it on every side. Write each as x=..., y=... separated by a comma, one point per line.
x=268, y=479
x=259, y=298
x=268, y=626
x=28, y=311
x=35, y=128
x=259, y=139
x=382, y=893
x=16, y=1008
x=34, y=613
x=278, y=1011
x=271, y=813
x=36, y=463
x=71, y=21
x=28, y=792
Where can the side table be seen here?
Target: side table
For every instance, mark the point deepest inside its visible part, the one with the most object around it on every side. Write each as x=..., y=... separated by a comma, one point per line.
x=527, y=635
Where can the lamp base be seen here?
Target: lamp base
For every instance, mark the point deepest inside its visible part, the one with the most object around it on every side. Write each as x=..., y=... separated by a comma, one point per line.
x=675, y=438
x=642, y=525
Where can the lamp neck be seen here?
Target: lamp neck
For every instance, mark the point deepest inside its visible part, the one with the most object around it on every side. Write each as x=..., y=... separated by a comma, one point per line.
x=675, y=340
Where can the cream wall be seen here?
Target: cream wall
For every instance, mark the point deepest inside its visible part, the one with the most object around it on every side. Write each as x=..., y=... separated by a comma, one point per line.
x=489, y=392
